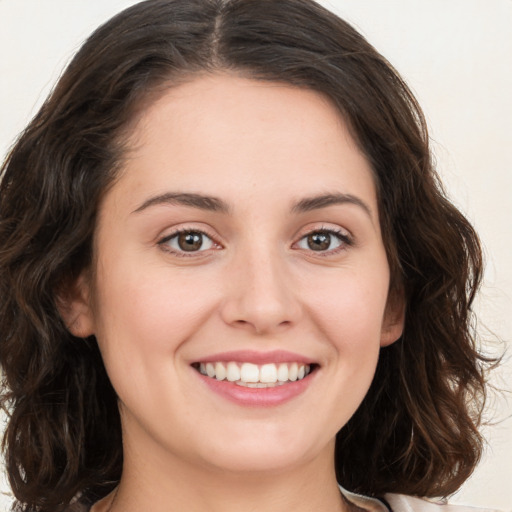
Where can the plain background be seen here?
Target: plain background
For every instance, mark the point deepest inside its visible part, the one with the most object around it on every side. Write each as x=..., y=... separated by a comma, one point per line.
x=457, y=57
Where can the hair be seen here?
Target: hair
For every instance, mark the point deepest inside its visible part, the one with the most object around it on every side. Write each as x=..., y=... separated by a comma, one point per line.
x=416, y=431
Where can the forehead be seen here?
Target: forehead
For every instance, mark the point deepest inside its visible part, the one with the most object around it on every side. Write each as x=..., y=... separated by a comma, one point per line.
x=219, y=133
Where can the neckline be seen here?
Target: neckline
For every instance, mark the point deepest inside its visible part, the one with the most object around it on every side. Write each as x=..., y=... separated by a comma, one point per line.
x=364, y=502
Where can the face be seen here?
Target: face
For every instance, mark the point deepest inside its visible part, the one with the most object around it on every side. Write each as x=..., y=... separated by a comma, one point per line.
x=241, y=282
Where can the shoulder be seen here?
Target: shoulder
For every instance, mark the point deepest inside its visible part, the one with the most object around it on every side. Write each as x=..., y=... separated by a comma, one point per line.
x=401, y=503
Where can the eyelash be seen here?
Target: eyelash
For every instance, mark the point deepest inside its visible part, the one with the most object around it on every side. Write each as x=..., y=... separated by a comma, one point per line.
x=343, y=237
x=186, y=254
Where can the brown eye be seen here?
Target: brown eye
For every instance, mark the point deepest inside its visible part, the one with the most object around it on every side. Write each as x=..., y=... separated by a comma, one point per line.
x=188, y=241
x=324, y=241
x=319, y=241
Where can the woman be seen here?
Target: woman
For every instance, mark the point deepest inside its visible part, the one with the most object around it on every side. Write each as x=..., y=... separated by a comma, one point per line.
x=229, y=277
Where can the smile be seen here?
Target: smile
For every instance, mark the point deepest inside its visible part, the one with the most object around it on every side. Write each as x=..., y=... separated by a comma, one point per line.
x=255, y=376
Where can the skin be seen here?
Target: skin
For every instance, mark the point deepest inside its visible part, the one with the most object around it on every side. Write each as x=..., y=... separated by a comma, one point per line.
x=261, y=148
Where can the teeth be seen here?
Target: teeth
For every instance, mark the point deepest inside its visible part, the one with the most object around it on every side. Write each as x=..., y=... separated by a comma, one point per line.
x=268, y=373
x=292, y=371
x=258, y=384
x=249, y=372
x=220, y=371
x=282, y=372
x=210, y=370
x=233, y=373
x=254, y=376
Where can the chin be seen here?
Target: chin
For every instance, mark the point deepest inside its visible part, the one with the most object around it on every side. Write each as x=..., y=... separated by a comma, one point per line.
x=256, y=462
x=264, y=453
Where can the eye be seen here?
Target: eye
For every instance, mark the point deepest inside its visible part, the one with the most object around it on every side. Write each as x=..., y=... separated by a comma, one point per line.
x=188, y=241
x=324, y=241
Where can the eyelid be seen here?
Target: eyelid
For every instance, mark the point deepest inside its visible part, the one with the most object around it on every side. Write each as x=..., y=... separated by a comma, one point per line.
x=343, y=234
x=162, y=241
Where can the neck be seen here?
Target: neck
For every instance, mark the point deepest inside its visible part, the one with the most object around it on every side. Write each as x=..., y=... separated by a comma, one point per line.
x=173, y=485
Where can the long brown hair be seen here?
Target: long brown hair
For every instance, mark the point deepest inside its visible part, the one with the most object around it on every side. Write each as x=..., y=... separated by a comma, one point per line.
x=416, y=430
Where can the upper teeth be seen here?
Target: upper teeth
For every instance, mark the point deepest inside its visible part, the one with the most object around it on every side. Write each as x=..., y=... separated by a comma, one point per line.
x=253, y=375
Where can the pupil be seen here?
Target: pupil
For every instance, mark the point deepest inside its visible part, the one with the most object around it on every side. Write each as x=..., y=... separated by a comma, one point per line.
x=319, y=241
x=190, y=241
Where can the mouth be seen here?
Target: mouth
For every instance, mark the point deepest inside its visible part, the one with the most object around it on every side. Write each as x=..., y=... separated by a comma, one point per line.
x=250, y=375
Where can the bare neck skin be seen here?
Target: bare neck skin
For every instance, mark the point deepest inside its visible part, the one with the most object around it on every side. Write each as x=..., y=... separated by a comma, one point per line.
x=168, y=487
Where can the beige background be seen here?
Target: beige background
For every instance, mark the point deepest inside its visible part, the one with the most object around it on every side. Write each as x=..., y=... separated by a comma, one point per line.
x=457, y=57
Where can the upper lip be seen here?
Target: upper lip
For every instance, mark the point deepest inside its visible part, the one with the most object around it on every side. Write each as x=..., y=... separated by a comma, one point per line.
x=256, y=357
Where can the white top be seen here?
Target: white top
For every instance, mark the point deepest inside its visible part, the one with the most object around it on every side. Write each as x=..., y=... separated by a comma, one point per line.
x=402, y=503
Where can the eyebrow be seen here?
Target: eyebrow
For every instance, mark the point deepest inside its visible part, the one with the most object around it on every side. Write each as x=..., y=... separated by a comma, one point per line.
x=208, y=203
x=214, y=204
x=323, y=201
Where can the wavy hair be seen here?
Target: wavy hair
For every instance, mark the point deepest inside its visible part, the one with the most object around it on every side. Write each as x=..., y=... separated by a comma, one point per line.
x=416, y=431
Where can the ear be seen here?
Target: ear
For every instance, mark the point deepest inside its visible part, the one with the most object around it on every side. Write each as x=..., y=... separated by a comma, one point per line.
x=74, y=305
x=394, y=318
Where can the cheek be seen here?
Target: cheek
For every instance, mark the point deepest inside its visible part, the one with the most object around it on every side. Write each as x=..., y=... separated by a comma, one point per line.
x=144, y=318
x=349, y=312
x=353, y=325
x=146, y=313
x=349, y=305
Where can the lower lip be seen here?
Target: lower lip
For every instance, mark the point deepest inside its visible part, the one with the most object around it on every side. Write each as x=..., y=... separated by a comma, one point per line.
x=257, y=397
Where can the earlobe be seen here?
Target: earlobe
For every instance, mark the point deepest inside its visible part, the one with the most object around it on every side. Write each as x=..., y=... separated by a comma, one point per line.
x=74, y=305
x=394, y=320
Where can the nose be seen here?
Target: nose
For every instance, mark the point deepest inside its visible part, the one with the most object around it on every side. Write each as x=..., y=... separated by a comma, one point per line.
x=261, y=295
